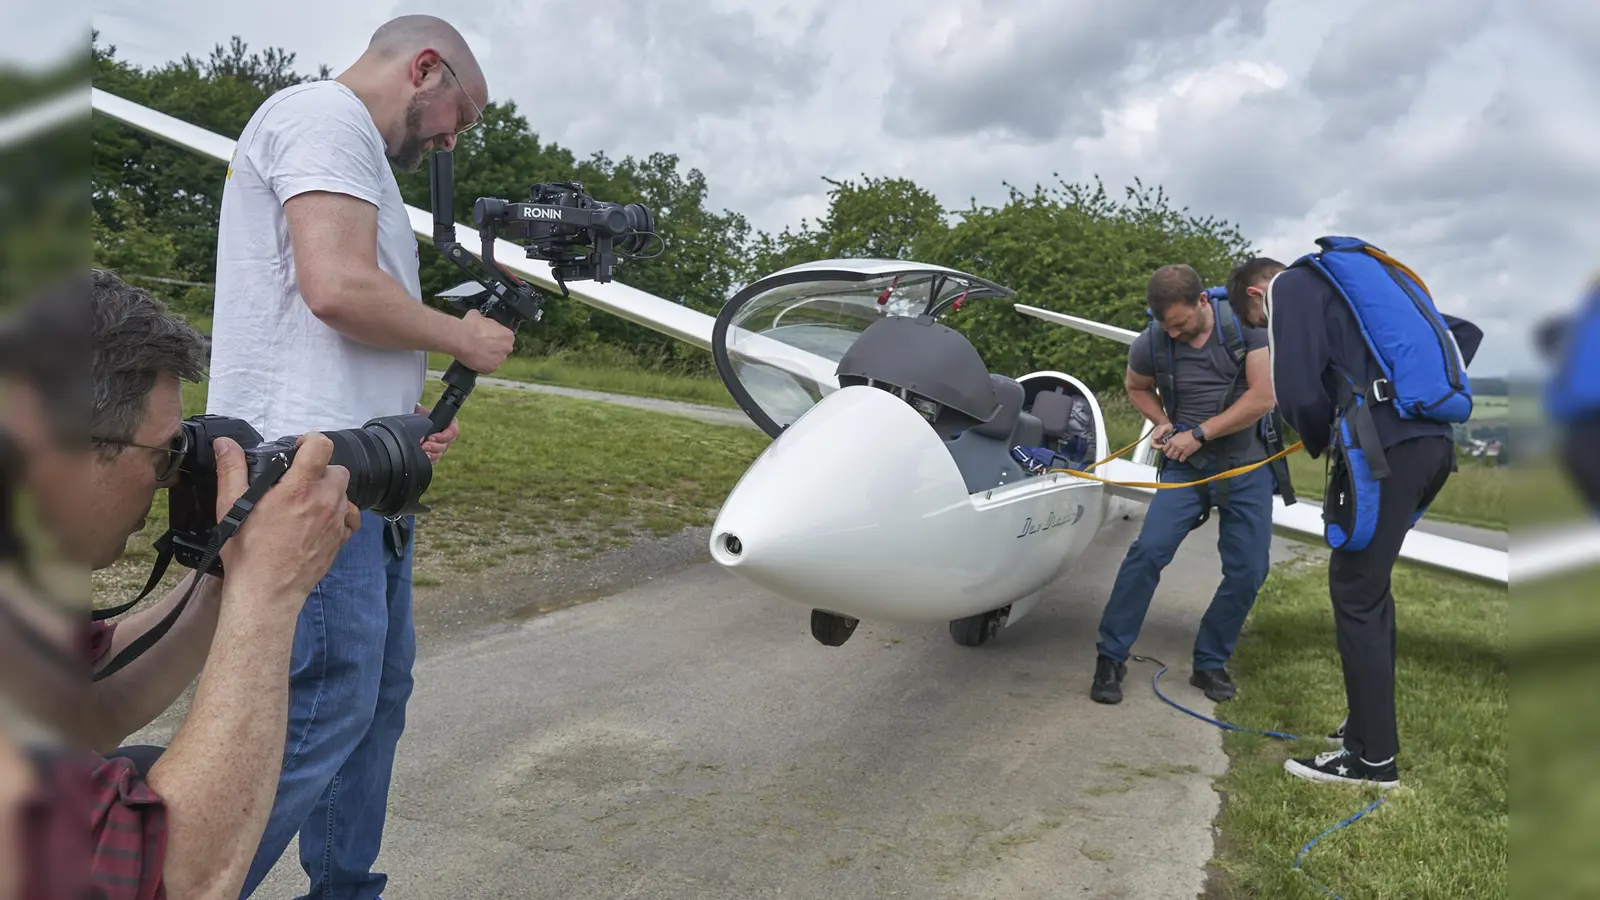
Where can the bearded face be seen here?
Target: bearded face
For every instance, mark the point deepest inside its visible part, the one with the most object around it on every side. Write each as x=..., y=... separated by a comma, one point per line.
x=414, y=145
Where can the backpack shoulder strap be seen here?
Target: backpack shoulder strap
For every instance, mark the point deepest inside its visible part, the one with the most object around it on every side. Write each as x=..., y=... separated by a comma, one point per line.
x=1161, y=362
x=1228, y=327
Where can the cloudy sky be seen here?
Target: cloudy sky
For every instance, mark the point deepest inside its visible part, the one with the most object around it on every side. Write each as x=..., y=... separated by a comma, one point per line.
x=1468, y=145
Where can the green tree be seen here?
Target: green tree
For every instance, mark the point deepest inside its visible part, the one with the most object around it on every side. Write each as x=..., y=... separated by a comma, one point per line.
x=1072, y=249
x=145, y=185
x=878, y=218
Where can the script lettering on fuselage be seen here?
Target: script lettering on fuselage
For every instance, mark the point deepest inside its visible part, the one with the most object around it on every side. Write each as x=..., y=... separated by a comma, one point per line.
x=1054, y=519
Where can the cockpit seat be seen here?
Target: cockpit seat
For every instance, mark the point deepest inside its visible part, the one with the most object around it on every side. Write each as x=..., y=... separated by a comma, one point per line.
x=983, y=451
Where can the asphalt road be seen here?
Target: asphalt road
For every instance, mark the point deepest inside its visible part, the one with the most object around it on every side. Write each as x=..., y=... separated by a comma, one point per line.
x=687, y=738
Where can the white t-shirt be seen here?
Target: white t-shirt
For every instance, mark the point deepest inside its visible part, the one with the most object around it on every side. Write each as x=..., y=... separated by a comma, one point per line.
x=273, y=363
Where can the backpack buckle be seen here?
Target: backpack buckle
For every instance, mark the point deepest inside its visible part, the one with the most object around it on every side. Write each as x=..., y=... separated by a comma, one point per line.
x=1378, y=391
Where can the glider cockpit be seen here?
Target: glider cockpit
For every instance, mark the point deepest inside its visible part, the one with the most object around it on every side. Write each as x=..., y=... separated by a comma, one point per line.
x=877, y=323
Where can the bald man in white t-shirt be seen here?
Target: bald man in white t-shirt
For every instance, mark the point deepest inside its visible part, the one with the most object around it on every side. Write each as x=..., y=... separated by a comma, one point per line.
x=319, y=325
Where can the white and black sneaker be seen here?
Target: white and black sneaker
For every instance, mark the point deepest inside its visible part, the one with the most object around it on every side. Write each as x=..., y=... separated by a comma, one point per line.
x=1342, y=767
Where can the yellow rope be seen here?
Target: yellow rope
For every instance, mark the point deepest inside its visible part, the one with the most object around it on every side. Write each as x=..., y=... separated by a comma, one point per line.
x=1167, y=485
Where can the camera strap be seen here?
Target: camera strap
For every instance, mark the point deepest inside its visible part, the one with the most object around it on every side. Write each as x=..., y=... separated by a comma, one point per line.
x=226, y=528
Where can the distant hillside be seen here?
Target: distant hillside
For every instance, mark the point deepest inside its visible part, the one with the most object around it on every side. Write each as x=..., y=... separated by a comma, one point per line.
x=1484, y=386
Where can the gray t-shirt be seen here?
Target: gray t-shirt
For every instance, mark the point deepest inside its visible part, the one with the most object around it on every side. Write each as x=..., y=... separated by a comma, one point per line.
x=1202, y=377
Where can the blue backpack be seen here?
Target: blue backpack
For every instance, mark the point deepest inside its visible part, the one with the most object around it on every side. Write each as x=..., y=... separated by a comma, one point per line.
x=1424, y=377
x=1424, y=374
x=1573, y=392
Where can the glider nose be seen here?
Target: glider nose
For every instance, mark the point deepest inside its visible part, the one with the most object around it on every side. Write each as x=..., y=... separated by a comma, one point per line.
x=848, y=492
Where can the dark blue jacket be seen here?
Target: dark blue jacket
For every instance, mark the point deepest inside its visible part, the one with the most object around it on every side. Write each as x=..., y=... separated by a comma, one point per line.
x=1312, y=329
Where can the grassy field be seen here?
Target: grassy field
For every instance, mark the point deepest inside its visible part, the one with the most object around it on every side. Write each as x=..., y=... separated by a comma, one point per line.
x=627, y=377
x=534, y=474
x=1556, y=653
x=1444, y=832
x=1543, y=494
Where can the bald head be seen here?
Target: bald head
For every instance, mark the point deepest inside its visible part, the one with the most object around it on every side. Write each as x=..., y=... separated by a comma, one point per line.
x=423, y=84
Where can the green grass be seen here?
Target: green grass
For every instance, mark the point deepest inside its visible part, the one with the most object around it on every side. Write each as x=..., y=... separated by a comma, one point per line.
x=1556, y=720
x=1478, y=494
x=537, y=475
x=1543, y=494
x=624, y=377
x=1444, y=831
x=1490, y=410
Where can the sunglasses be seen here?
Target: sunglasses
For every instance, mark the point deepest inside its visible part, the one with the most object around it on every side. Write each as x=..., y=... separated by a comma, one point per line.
x=172, y=453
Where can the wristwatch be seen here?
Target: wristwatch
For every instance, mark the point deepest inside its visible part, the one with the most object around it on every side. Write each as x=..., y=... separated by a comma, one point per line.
x=1199, y=433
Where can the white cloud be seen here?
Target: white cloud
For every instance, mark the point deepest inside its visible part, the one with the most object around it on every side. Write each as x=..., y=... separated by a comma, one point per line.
x=1461, y=137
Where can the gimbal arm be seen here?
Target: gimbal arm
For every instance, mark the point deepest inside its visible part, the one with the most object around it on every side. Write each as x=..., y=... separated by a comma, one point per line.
x=506, y=299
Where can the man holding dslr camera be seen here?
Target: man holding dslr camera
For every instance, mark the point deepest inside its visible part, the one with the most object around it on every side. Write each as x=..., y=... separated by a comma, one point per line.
x=193, y=824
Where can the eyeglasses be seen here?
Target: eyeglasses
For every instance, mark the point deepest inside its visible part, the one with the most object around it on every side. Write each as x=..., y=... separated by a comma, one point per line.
x=173, y=452
x=478, y=113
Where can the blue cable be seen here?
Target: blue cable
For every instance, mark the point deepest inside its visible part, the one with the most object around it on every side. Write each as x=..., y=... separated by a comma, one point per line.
x=1311, y=843
x=1155, y=683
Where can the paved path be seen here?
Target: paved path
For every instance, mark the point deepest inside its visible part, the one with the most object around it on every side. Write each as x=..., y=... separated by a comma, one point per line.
x=687, y=738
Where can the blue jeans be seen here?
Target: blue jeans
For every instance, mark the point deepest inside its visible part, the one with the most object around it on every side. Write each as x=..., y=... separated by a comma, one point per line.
x=349, y=680
x=1244, y=542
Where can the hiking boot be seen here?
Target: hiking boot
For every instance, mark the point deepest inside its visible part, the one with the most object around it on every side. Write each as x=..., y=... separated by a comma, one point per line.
x=1215, y=682
x=1336, y=737
x=1108, y=675
x=1342, y=767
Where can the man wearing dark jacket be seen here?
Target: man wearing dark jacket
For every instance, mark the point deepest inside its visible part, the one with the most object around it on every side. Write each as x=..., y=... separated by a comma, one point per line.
x=1311, y=330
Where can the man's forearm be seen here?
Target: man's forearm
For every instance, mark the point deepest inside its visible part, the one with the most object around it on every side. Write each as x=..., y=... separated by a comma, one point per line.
x=371, y=307
x=219, y=777
x=134, y=695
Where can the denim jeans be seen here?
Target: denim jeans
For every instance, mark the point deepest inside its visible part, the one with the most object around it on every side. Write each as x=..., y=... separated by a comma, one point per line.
x=349, y=680
x=1244, y=543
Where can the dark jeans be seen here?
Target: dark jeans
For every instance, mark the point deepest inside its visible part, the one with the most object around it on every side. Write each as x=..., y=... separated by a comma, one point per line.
x=1244, y=542
x=1363, y=606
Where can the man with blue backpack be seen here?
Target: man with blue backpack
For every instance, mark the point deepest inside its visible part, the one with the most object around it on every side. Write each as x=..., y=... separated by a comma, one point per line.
x=1205, y=382
x=1367, y=371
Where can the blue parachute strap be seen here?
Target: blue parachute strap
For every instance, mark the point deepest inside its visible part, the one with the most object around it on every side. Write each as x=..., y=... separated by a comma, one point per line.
x=1355, y=407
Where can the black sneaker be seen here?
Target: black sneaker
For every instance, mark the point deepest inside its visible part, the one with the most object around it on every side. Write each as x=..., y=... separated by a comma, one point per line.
x=1342, y=767
x=1108, y=675
x=1336, y=737
x=1215, y=682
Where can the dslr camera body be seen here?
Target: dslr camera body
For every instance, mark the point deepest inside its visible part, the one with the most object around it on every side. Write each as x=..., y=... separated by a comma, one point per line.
x=389, y=472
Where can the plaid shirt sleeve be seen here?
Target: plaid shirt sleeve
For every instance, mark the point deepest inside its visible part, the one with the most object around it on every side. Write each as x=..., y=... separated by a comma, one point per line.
x=128, y=833
x=121, y=854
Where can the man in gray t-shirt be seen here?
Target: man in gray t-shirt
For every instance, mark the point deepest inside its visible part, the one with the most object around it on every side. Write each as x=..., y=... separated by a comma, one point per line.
x=1207, y=384
x=1213, y=428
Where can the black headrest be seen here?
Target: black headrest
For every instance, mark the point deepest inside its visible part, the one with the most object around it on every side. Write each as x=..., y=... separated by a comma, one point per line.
x=1010, y=394
x=1054, y=410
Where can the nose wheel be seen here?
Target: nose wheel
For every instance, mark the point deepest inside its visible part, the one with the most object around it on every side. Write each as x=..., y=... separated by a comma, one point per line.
x=832, y=629
x=974, y=631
